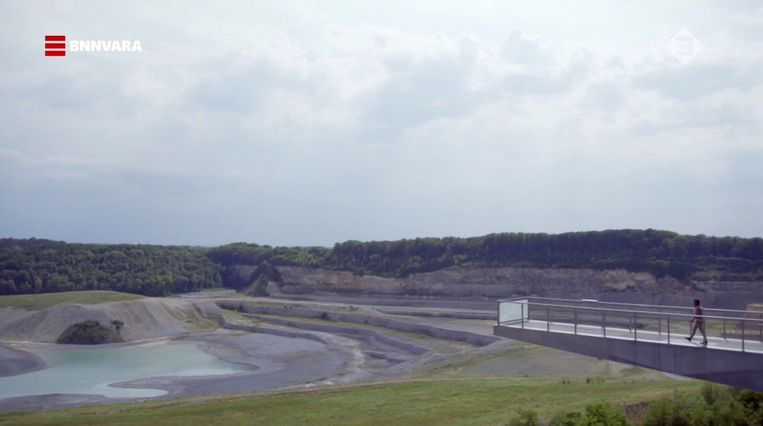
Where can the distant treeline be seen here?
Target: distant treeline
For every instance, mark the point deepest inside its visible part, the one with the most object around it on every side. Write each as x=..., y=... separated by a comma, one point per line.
x=43, y=266
x=36, y=266
x=657, y=252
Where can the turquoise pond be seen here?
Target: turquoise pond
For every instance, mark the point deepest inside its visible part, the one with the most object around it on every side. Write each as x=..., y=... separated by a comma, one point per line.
x=92, y=371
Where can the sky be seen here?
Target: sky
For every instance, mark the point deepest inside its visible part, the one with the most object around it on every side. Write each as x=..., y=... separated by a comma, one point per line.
x=313, y=122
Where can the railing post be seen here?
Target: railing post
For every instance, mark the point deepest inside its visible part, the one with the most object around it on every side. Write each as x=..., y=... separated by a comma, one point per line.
x=759, y=326
x=575, y=316
x=724, y=329
x=604, y=324
x=498, y=313
x=659, y=326
x=522, y=315
x=743, y=335
x=668, y=328
x=548, y=318
x=635, y=326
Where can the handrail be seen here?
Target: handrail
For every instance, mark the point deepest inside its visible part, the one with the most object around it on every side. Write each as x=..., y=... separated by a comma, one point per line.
x=616, y=303
x=596, y=309
x=574, y=315
x=622, y=304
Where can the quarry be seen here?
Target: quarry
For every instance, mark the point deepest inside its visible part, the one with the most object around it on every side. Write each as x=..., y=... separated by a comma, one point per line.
x=314, y=329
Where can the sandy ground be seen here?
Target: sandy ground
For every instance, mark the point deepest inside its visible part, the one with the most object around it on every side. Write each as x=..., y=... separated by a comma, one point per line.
x=14, y=361
x=396, y=301
x=281, y=362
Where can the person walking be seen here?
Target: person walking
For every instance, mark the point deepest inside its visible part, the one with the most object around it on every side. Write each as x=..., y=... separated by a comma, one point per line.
x=698, y=323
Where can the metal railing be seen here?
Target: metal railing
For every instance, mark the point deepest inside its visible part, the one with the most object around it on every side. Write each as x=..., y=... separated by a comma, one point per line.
x=725, y=328
x=638, y=306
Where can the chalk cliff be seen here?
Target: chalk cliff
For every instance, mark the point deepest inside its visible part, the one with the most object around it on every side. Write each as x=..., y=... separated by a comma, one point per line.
x=480, y=283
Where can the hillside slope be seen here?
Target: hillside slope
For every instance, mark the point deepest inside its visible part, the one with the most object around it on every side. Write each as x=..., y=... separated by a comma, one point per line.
x=436, y=402
x=143, y=319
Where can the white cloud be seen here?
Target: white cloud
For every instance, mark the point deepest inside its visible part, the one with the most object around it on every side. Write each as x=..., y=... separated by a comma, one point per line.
x=309, y=124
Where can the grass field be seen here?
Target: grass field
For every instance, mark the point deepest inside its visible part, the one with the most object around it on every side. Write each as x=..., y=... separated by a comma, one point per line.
x=36, y=302
x=434, y=402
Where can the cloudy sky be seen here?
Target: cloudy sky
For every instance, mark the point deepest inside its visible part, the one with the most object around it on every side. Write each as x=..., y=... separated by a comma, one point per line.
x=307, y=123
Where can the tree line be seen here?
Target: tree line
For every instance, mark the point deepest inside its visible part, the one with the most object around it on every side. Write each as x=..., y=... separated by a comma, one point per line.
x=44, y=266
x=38, y=266
x=657, y=252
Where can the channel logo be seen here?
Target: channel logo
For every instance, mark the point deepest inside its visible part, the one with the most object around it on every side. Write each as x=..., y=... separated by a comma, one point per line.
x=55, y=45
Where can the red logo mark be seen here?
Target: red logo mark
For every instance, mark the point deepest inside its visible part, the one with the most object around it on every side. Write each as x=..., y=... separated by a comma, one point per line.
x=55, y=45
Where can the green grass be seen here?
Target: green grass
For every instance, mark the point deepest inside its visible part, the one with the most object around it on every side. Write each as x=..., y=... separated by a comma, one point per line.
x=205, y=290
x=36, y=302
x=521, y=359
x=440, y=402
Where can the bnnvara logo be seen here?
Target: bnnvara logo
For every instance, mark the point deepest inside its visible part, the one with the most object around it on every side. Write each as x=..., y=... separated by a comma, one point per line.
x=55, y=45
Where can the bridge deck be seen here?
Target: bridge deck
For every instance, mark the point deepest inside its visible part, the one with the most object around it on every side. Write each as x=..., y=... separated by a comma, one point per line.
x=640, y=335
x=651, y=336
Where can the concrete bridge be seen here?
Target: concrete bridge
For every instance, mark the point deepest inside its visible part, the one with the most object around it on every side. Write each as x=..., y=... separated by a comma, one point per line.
x=651, y=336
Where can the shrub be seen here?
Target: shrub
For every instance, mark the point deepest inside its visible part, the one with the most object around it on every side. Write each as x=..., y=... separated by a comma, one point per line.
x=567, y=419
x=599, y=414
x=712, y=405
x=89, y=333
x=525, y=418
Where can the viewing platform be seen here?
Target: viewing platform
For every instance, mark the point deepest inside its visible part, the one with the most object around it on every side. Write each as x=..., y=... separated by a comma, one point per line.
x=651, y=336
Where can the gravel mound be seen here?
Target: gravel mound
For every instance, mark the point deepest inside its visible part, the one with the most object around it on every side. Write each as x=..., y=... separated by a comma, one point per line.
x=143, y=319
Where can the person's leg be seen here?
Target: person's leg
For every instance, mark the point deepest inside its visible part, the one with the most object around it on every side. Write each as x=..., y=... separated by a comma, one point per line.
x=694, y=326
x=702, y=329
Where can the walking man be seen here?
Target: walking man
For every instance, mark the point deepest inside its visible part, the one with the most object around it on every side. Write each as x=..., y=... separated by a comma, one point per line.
x=698, y=323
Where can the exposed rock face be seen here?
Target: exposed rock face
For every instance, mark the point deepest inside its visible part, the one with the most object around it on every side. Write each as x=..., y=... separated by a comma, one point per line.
x=494, y=283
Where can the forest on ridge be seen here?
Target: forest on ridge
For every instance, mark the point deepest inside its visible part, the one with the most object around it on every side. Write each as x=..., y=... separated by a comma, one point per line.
x=39, y=266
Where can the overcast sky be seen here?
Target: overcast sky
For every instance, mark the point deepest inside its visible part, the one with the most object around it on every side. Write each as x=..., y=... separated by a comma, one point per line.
x=306, y=123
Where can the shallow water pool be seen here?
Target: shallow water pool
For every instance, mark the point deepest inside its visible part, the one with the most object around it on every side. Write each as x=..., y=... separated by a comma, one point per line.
x=92, y=371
